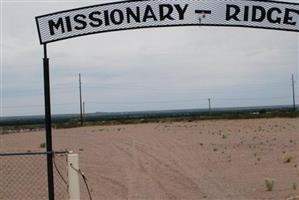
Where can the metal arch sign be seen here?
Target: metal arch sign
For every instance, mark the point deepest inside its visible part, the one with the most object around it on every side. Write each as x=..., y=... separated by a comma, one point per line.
x=134, y=14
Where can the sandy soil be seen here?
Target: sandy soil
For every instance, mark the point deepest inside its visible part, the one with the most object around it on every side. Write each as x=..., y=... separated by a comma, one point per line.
x=216, y=159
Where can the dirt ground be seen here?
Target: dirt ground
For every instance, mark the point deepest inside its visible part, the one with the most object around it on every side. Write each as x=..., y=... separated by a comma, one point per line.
x=214, y=159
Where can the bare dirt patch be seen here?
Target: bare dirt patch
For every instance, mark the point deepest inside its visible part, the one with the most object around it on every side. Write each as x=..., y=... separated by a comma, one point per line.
x=216, y=159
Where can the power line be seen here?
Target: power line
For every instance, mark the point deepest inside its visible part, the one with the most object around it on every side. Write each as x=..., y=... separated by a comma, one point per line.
x=144, y=102
x=144, y=87
x=187, y=100
x=31, y=106
x=141, y=89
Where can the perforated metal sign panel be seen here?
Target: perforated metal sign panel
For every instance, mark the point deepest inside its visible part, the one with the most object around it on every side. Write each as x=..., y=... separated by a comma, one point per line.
x=162, y=13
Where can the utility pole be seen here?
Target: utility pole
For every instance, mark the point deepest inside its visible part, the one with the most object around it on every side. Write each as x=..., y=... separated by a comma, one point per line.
x=293, y=88
x=83, y=111
x=209, y=106
x=81, y=114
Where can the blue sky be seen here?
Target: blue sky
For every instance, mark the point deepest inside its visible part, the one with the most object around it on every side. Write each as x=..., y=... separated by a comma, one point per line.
x=146, y=69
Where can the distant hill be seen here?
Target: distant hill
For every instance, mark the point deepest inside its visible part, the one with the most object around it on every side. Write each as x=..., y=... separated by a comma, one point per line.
x=100, y=116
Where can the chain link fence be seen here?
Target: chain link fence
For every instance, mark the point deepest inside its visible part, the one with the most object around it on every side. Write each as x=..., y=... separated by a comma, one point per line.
x=23, y=176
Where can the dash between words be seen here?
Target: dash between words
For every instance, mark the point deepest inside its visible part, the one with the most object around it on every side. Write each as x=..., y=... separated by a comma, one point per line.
x=136, y=14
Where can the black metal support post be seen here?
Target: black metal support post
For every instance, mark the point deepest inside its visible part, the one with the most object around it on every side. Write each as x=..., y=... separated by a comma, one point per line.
x=48, y=123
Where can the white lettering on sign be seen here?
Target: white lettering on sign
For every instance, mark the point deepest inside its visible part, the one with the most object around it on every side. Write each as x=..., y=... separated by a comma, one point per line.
x=153, y=13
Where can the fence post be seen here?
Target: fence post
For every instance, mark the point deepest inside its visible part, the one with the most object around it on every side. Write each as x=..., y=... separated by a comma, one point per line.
x=73, y=176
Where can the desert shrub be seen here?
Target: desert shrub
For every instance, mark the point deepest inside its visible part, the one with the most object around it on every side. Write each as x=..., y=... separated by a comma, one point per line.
x=42, y=145
x=259, y=159
x=288, y=159
x=294, y=186
x=72, y=123
x=263, y=111
x=269, y=184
